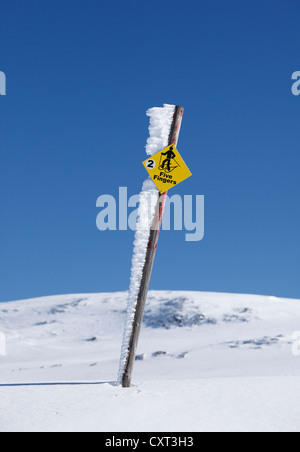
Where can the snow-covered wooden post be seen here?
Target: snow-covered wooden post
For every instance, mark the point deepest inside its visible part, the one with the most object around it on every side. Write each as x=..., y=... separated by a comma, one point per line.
x=161, y=137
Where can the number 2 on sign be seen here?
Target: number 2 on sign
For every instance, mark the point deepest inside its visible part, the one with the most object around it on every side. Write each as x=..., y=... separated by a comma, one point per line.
x=150, y=164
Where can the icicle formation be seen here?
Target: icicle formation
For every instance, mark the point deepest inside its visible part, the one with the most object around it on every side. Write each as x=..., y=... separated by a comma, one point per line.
x=159, y=130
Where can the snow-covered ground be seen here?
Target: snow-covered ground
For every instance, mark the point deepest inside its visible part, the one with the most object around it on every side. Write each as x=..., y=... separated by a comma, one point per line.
x=206, y=362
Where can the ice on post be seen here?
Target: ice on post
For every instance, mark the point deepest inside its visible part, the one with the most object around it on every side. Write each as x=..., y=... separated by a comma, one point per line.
x=159, y=129
x=161, y=119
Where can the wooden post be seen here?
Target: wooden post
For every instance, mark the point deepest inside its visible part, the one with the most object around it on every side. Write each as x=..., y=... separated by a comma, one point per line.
x=147, y=270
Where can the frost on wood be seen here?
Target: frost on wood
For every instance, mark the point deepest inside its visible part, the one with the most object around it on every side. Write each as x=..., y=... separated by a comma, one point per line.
x=159, y=128
x=147, y=207
x=159, y=131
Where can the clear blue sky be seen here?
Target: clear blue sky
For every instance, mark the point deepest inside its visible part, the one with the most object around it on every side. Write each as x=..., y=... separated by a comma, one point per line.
x=80, y=76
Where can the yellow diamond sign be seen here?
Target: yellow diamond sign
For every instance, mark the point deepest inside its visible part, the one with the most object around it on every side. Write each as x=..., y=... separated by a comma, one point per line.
x=167, y=168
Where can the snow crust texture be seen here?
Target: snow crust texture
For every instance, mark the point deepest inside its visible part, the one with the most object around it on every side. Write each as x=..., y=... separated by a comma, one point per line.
x=205, y=362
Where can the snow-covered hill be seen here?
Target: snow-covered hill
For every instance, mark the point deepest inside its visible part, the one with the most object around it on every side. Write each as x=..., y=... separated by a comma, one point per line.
x=206, y=362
